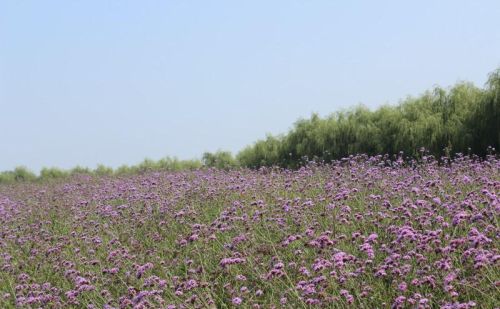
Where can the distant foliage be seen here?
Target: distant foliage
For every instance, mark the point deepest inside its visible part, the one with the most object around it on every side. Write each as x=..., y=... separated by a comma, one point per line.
x=78, y=170
x=19, y=174
x=165, y=164
x=53, y=173
x=103, y=170
x=219, y=159
x=464, y=119
x=22, y=174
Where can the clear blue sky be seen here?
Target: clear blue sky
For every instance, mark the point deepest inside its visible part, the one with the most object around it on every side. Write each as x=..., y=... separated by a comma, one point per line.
x=113, y=82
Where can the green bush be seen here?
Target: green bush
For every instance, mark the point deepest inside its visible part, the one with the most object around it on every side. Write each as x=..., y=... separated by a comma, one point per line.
x=103, y=170
x=7, y=177
x=462, y=119
x=21, y=173
x=52, y=173
x=78, y=170
x=220, y=159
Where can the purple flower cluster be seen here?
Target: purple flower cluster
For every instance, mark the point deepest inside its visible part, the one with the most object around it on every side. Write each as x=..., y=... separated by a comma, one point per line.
x=358, y=233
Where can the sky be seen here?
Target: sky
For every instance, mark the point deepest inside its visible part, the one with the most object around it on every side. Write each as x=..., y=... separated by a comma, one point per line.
x=114, y=82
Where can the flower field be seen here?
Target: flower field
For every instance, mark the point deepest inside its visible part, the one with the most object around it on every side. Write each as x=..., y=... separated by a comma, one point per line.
x=357, y=233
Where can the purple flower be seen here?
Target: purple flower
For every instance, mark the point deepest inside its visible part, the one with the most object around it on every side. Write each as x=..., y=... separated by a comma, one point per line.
x=237, y=301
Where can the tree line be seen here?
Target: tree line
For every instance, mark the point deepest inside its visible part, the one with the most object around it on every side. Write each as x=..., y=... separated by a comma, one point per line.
x=23, y=174
x=462, y=119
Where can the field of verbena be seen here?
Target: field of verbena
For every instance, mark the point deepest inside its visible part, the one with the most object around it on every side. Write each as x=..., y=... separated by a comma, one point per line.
x=356, y=234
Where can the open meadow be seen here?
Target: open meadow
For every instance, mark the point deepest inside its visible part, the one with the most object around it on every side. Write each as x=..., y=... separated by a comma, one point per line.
x=361, y=232
x=249, y=154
